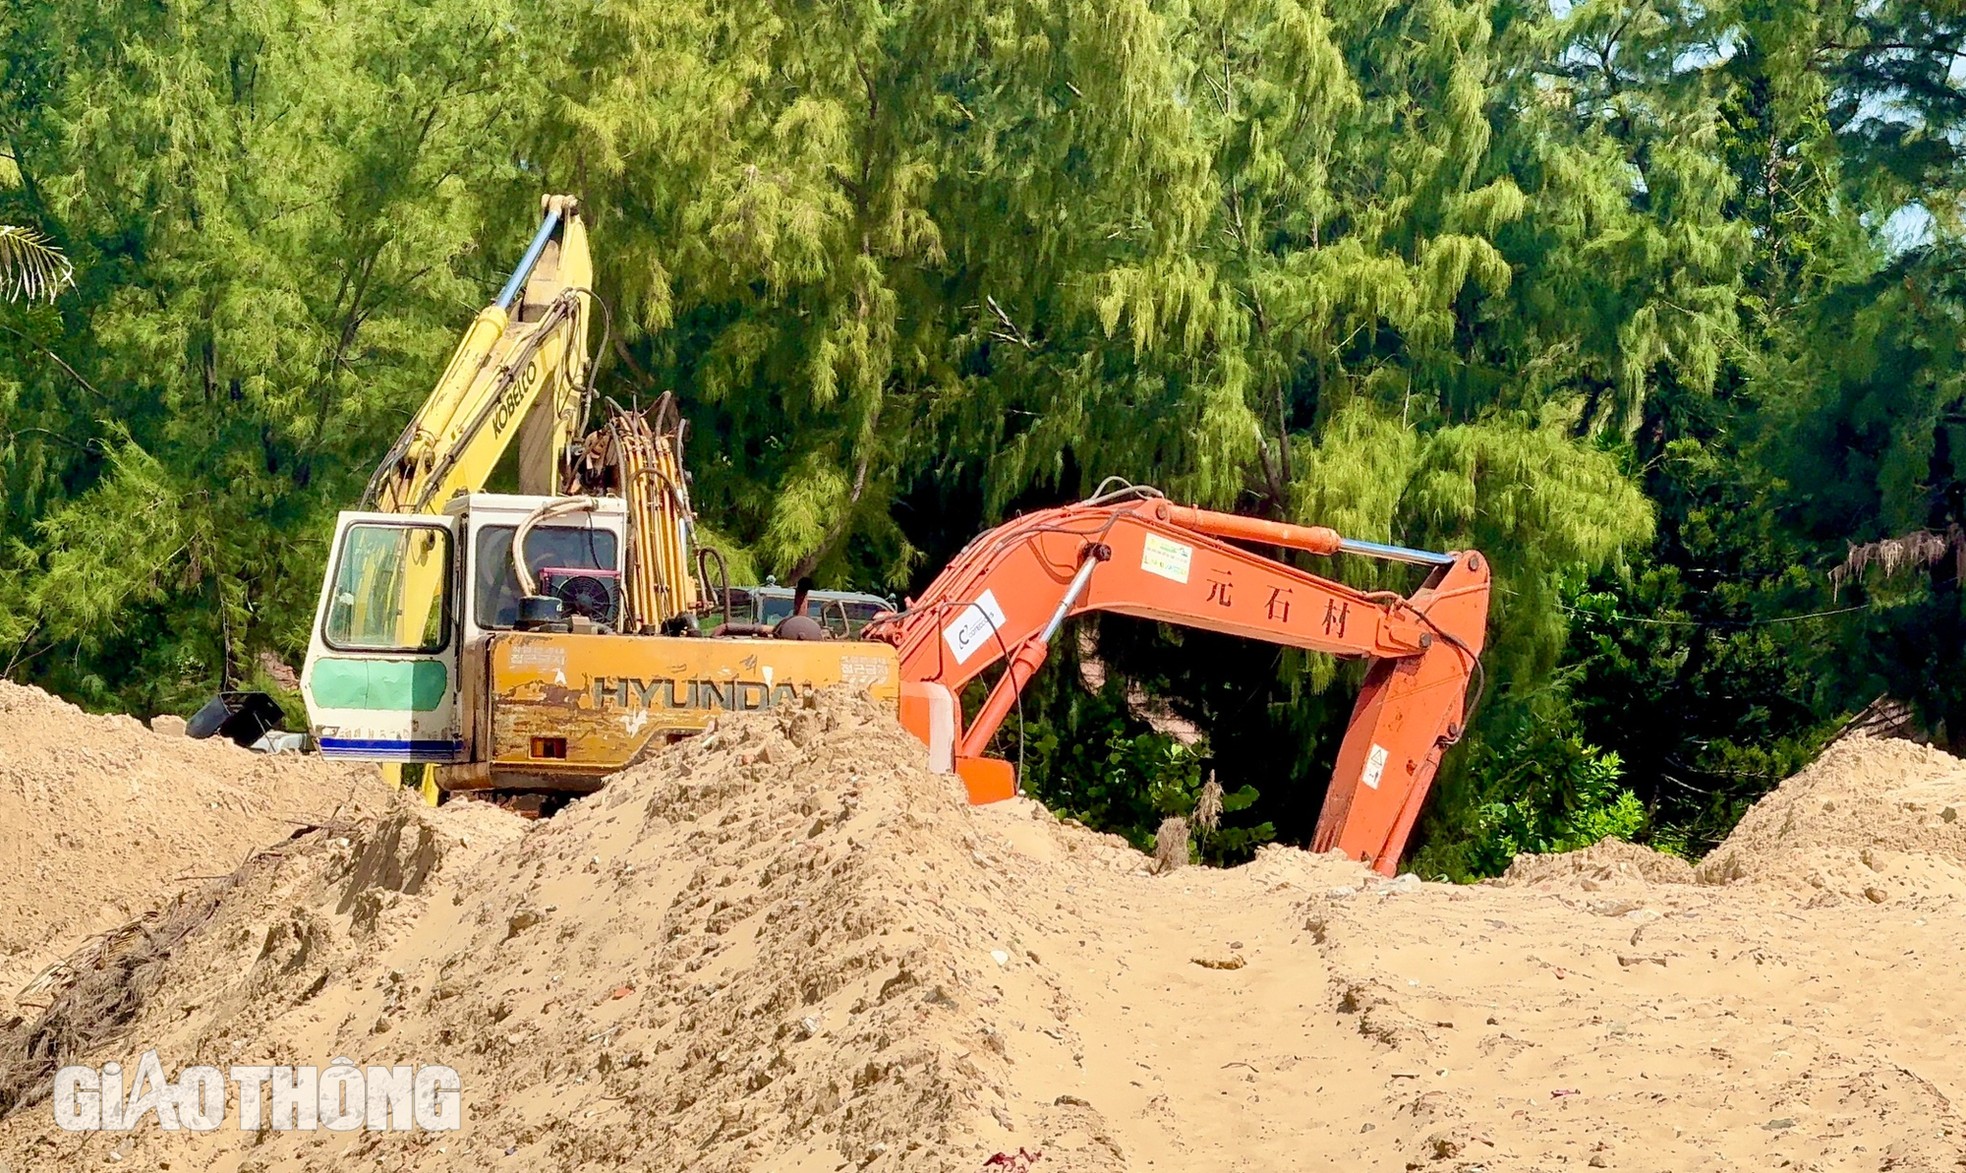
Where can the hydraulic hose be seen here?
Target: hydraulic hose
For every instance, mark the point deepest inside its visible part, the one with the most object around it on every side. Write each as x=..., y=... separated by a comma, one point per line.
x=528, y=586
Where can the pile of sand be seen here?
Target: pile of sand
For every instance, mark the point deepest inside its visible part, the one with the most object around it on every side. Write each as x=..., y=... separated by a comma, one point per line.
x=1874, y=821
x=786, y=946
x=102, y=819
x=1607, y=861
x=779, y=945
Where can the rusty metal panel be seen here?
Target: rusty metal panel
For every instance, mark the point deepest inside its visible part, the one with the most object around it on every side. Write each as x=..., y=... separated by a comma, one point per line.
x=567, y=704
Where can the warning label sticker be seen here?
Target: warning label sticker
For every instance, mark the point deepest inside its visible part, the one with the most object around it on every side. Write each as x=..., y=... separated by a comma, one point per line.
x=1375, y=766
x=859, y=671
x=526, y=654
x=1169, y=559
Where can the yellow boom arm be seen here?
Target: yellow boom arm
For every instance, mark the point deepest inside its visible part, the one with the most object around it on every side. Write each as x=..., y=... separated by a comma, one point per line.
x=521, y=371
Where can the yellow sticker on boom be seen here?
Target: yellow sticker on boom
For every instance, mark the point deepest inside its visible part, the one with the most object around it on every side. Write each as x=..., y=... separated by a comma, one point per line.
x=1169, y=559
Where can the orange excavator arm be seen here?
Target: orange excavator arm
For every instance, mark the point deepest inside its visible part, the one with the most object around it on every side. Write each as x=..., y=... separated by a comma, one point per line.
x=1004, y=598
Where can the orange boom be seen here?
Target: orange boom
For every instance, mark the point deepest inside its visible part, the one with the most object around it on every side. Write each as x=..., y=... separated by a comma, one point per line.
x=1133, y=552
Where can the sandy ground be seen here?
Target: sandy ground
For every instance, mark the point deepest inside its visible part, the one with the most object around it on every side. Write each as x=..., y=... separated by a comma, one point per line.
x=784, y=946
x=101, y=820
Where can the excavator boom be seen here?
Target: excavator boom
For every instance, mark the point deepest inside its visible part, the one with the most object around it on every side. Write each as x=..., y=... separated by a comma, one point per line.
x=1007, y=594
x=520, y=373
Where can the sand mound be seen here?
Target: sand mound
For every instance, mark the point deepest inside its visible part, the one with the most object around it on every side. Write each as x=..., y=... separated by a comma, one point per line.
x=785, y=946
x=101, y=819
x=774, y=945
x=1607, y=861
x=1871, y=821
x=168, y=959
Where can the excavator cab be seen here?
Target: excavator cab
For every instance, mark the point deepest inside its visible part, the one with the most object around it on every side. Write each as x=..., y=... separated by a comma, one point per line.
x=381, y=679
x=412, y=601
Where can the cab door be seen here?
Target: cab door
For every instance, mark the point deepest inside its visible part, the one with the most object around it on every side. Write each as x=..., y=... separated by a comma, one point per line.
x=381, y=679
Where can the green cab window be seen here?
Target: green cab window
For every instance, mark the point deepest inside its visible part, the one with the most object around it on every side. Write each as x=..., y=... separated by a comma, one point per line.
x=392, y=590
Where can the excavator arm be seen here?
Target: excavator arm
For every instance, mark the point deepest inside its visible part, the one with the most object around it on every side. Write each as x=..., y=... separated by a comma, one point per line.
x=520, y=373
x=1006, y=595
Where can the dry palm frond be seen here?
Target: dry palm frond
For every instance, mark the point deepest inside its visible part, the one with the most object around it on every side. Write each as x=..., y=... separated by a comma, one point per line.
x=1171, y=845
x=1896, y=555
x=1884, y=718
x=30, y=267
x=1208, y=807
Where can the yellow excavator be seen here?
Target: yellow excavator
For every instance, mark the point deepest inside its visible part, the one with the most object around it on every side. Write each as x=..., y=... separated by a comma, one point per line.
x=525, y=645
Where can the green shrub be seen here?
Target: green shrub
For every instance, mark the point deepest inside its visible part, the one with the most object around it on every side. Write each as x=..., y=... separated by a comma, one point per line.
x=1532, y=785
x=1090, y=760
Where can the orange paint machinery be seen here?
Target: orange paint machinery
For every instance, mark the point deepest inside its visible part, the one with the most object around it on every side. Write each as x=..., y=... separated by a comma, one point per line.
x=1133, y=552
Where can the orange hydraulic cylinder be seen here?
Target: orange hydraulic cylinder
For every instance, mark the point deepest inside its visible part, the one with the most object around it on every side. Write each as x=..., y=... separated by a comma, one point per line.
x=1316, y=539
x=1024, y=664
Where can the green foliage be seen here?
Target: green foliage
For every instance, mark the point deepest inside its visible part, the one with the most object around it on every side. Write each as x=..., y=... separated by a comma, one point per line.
x=1694, y=666
x=111, y=549
x=1087, y=757
x=1534, y=785
x=273, y=211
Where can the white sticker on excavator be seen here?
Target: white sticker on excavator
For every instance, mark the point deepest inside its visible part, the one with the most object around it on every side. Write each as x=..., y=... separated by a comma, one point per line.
x=1166, y=558
x=1375, y=765
x=974, y=626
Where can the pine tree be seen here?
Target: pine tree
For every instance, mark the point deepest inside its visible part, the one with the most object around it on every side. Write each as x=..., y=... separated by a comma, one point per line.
x=1654, y=303
x=274, y=209
x=1700, y=668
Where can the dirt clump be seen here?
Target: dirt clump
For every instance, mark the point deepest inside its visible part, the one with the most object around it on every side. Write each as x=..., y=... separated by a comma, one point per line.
x=1606, y=861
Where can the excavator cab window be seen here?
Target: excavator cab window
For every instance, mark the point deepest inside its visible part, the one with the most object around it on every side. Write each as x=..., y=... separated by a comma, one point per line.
x=392, y=590
x=743, y=608
x=567, y=547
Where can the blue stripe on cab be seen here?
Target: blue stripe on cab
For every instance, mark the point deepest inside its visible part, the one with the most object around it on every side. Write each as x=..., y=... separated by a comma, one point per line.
x=383, y=749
